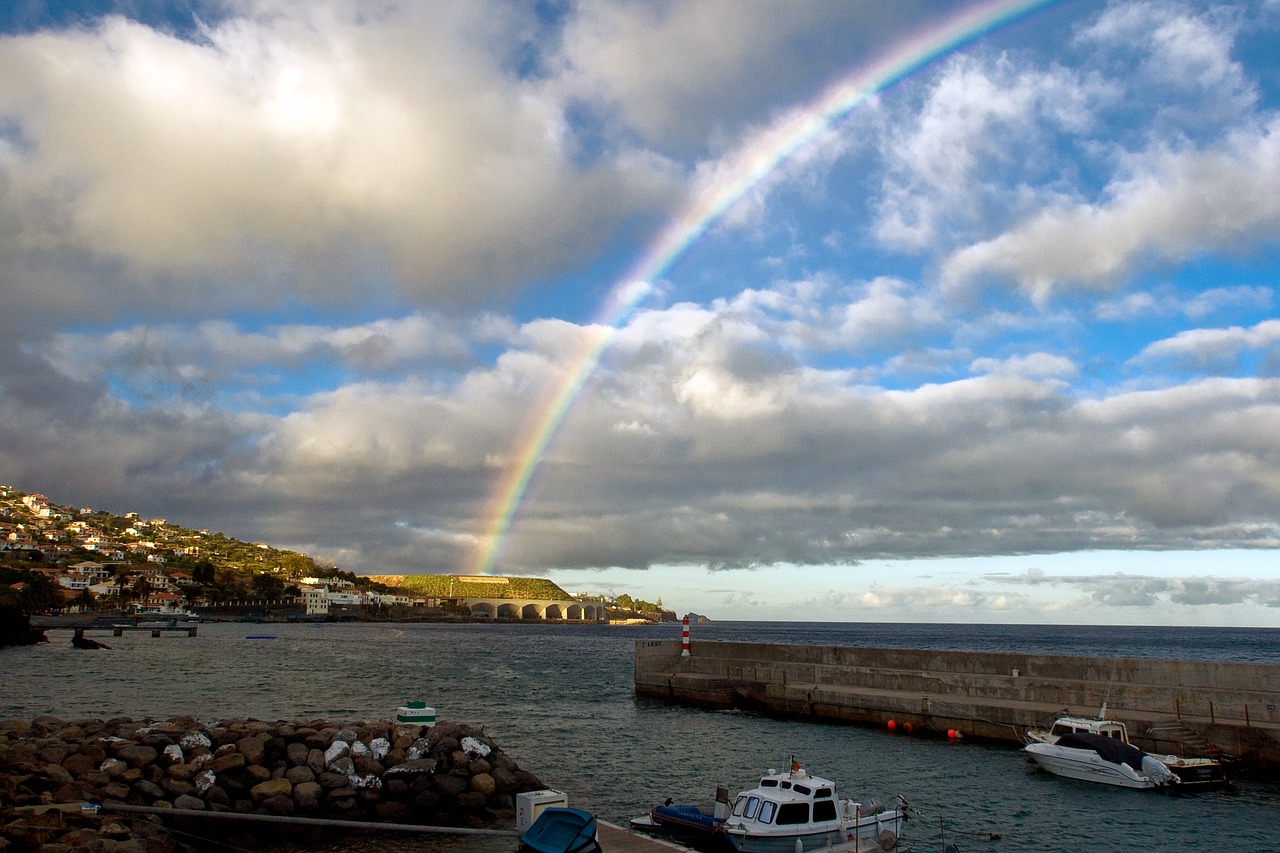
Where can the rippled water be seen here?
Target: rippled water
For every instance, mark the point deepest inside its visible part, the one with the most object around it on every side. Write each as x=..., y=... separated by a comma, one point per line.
x=560, y=700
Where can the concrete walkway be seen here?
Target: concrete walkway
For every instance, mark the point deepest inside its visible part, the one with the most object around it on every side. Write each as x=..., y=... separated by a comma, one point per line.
x=615, y=839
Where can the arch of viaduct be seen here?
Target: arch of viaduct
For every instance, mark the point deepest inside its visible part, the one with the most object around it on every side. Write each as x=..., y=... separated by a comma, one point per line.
x=516, y=608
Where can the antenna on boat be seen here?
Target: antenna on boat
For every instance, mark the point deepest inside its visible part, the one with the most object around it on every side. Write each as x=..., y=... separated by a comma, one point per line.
x=1102, y=715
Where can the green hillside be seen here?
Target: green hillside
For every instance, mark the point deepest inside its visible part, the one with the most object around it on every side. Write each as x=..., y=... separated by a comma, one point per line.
x=458, y=586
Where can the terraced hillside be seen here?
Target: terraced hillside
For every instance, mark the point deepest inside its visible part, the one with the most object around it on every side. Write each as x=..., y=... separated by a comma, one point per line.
x=462, y=586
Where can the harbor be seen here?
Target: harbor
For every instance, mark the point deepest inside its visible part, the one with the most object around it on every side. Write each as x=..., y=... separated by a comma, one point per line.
x=562, y=702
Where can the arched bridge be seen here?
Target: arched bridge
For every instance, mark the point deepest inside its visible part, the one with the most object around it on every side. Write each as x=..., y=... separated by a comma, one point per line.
x=516, y=608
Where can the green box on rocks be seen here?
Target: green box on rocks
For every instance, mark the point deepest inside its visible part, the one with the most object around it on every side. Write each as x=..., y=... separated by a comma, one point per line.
x=417, y=713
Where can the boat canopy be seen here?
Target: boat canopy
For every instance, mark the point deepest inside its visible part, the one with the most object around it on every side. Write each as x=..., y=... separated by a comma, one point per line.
x=1115, y=751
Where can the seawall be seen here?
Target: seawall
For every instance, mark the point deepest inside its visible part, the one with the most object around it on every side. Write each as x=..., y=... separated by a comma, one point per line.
x=1170, y=706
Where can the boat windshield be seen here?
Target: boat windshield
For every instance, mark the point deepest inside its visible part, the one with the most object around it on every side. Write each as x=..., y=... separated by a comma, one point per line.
x=746, y=807
x=767, y=808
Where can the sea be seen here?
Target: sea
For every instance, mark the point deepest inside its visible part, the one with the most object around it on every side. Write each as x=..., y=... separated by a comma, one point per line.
x=560, y=700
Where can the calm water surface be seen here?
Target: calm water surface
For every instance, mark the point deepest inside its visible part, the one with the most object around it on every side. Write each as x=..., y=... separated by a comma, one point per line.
x=560, y=701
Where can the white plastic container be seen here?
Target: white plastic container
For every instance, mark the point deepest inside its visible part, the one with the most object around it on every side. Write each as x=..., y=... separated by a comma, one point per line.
x=531, y=803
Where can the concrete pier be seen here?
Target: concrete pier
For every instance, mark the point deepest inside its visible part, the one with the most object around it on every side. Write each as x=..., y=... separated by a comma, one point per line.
x=1180, y=707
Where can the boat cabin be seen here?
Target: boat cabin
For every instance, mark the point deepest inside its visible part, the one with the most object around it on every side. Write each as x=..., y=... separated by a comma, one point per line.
x=788, y=799
x=1085, y=725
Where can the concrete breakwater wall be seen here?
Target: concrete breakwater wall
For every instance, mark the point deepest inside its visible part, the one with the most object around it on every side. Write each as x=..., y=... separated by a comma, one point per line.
x=449, y=774
x=1182, y=707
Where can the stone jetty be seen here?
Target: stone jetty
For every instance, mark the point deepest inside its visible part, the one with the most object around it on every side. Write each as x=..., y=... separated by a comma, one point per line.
x=449, y=774
x=1183, y=707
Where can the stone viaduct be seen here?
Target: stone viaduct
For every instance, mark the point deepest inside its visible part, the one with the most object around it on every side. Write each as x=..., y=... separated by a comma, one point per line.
x=516, y=608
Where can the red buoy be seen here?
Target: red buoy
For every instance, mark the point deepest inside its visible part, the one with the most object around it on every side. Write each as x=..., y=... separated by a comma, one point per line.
x=893, y=724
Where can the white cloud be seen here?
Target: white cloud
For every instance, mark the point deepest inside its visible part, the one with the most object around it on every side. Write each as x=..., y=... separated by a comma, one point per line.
x=330, y=145
x=1214, y=349
x=979, y=118
x=1174, y=205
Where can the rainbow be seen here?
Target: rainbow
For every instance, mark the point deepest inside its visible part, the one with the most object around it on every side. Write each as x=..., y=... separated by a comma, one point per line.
x=708, y=202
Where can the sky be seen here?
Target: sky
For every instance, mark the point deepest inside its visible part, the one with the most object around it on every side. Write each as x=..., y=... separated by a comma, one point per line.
x=899, y=312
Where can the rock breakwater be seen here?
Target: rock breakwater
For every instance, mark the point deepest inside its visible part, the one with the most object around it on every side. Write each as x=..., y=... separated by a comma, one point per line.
x=449, y=774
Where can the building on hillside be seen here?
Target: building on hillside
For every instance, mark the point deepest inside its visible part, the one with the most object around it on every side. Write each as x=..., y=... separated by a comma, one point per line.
x=315, y=600
x=329, y=583
x=161, y=603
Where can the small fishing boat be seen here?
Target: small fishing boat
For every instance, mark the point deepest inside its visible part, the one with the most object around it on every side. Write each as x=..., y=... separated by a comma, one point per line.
x=1190, y=771
x=785, y=812
x=561, y=830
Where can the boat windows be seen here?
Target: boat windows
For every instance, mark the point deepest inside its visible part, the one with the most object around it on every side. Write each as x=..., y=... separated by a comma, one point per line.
x=803, y=789
x=793, y=813
x=786, y=785
x=768, y=783
x=822, y=792
x=824, y=810
x=753, y=803
x=767, y=808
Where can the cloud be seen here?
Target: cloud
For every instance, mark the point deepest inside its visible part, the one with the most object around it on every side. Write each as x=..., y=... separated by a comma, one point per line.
x=1178, y=205
x=1122, y=589
x=157, y=361
x=677, y=74
x=978, y=120
x=286, y=156
x=1213, y=349
x=1137, y=305
x=1183, y=189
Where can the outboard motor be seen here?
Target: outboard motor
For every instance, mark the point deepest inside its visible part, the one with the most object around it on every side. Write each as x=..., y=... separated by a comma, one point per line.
x=1157, y=772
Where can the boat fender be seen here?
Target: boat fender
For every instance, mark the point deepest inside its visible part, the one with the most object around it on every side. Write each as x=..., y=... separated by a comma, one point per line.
x=887, y=839
x=875, y=808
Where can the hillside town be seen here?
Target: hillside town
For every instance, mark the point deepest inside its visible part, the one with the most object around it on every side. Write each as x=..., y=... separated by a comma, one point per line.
x=146, y=566
x=60, y=559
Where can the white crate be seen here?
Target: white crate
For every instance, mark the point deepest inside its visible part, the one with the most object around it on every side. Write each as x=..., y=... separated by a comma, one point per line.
x=531, y=803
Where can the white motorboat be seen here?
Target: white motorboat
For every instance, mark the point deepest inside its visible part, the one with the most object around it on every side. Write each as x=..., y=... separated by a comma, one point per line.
x=1194, y=771
x=786, y=812
x=1099, y=758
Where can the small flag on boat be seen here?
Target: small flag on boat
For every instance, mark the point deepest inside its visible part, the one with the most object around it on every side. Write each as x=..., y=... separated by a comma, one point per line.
x=795, y=765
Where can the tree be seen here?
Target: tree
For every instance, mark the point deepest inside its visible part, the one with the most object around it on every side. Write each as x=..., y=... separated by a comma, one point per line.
x=204, y=572
x=123, y=592
x=267, y=586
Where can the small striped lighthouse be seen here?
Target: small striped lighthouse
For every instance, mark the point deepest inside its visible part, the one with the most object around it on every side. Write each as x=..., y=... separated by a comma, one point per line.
x=684, y=638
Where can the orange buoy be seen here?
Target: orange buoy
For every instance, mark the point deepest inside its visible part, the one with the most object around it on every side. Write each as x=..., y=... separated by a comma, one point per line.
x=893, y=724
x=908, y=727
